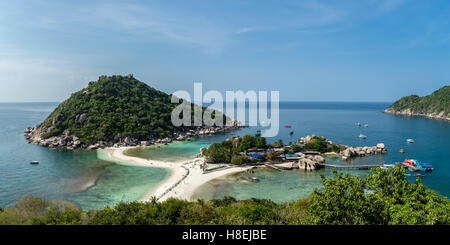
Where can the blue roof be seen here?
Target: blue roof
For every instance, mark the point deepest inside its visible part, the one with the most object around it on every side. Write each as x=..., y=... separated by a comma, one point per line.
x=256, y=155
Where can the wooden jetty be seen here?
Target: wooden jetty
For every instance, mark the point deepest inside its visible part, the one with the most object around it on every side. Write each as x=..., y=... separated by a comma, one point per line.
x=350, y=166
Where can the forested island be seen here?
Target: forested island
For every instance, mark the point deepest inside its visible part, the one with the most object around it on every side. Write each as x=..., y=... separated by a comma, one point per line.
x=435, y=105
x=115, y=110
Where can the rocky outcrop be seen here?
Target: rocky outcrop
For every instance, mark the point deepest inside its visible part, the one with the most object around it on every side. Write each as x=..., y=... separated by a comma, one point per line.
x=407, y=112
x=310, y=163
x=306, y=139
x=350, y=152
x=80, y=118
x=35, y=135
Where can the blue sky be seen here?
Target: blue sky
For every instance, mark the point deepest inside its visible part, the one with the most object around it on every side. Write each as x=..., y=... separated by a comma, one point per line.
x=311, y=50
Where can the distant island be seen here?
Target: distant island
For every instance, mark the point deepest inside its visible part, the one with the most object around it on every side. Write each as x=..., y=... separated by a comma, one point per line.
x=435, y=105
x=114, y=111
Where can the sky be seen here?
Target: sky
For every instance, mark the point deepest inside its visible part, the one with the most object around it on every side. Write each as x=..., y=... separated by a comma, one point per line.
x=309, y=50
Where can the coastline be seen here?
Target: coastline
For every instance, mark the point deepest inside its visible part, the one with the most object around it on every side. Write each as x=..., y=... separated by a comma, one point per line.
x=408, y=112
x=184, y=177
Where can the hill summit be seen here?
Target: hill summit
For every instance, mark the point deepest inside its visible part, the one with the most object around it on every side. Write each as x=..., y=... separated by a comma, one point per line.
x=115, y=110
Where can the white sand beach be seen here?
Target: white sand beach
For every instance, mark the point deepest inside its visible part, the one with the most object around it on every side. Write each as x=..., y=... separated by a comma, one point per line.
x=184, y=179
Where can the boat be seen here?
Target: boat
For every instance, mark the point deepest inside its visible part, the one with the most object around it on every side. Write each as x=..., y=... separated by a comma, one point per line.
x=358, y=124
x=34, y=162
x=366, y=125
x=258, y=133
x=362, y=136
x=402, y=151
x=410, y=140
x=254, y=179
x=424, y=166
x=387, y=166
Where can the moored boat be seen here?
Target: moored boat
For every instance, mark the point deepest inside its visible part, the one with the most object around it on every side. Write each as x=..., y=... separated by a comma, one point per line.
x=258, y=133
x=415, y=165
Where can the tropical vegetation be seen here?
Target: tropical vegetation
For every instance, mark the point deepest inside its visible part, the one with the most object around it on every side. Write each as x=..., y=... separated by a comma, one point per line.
x=383, y=197
x=112, y=107
x=435, y=103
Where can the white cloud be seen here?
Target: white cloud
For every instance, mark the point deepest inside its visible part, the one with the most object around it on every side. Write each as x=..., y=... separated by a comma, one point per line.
x=141, y=21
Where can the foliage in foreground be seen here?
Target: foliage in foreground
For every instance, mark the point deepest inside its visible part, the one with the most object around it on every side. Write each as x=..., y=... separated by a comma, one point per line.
x=384, y=197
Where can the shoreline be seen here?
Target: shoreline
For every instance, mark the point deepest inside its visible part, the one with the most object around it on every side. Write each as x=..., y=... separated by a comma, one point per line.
x=409, y=113
x=183, y=180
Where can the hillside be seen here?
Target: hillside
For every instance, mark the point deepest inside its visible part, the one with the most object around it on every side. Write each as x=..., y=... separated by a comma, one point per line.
x=116, y=109
x=435, y=105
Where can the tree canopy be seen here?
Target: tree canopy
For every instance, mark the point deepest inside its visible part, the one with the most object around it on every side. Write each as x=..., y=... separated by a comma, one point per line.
x=383, y=197
x=437, y=102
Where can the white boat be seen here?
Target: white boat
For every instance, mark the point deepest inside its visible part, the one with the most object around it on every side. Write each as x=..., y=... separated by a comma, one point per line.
x=358, y=124
x=362, y=136
x=410, y=140
x=366, y=125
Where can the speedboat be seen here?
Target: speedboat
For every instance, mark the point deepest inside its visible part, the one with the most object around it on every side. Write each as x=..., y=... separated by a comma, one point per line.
x=387, y=166
x=424, y=166
x=410, y=140
x=416, y=165
x=362, y=136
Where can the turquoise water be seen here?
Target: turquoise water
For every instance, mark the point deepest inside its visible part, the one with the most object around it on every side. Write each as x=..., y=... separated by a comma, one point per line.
x=336, y=121
x=82, y=177
x=78, y=176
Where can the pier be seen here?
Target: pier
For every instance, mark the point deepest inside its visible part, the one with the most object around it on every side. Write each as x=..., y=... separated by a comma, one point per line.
x=361, y=167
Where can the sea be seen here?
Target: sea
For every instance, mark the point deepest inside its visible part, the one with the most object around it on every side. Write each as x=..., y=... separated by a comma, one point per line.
x=84, y=178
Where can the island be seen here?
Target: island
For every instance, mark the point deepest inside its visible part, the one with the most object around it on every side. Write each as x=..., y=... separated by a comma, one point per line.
x=435, y=105
x=115, y=111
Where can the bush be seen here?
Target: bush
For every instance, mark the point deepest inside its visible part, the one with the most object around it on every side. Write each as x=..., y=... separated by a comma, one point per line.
x=273, y=156
x=218, y=153
x=384, y=197
x=239, y=160
x=296, y=148
x=249, y=141
x=316, y=144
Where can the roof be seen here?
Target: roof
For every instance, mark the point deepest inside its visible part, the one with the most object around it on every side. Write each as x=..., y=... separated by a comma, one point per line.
x=292, y=156
x=256, y=155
